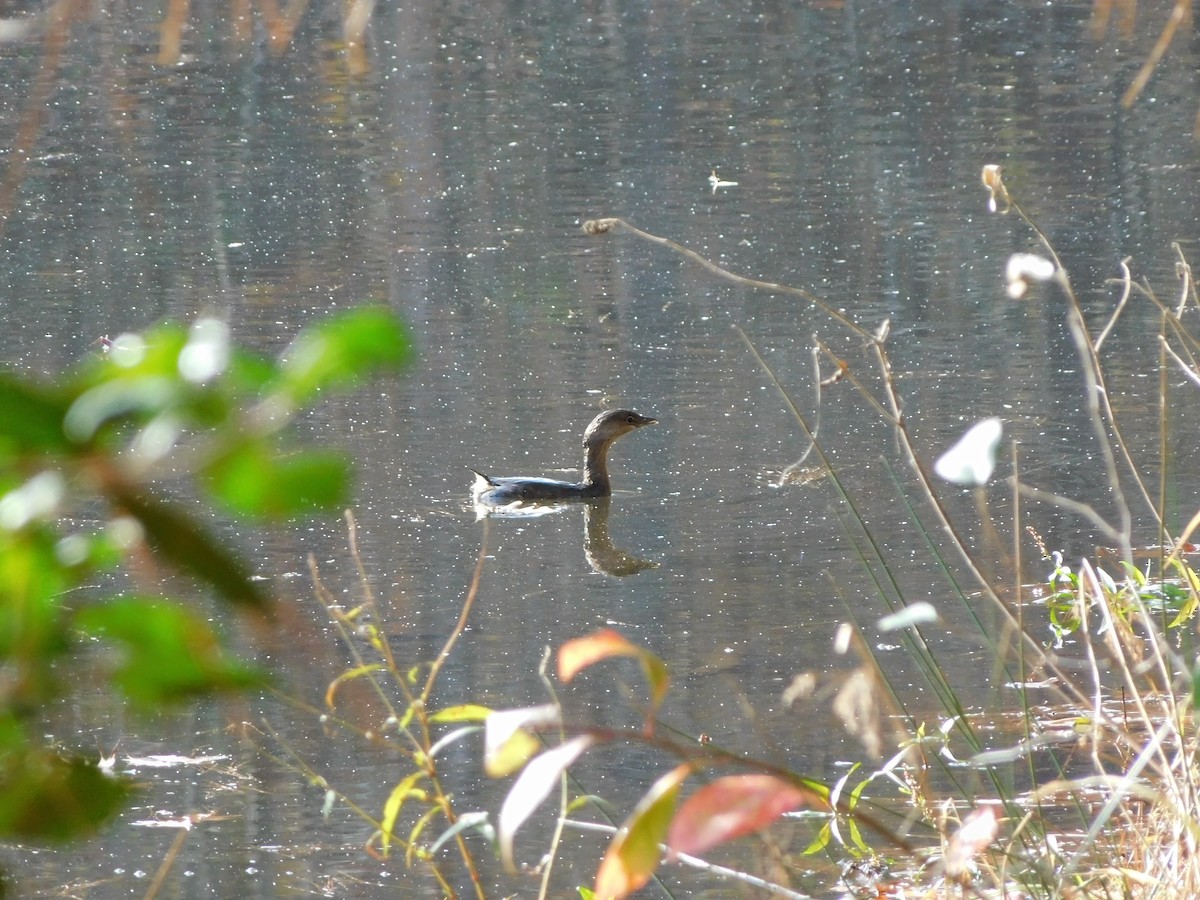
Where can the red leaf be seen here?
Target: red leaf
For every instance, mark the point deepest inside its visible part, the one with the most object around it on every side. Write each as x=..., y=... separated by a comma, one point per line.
x=731, y=807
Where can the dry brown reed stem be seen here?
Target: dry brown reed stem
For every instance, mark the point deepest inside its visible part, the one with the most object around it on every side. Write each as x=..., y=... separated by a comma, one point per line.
x=1142, y=692
x=1096, y=399
x=1127, y=289
x=1184, y=270
x=166, y=865
x=1180, y=13
x=384, y=647
x=603, y=226
x=892, y=410
x=1187, y=368
x=1083, y=510
x=472, y=592
x=863, y=390
x=1190, y=369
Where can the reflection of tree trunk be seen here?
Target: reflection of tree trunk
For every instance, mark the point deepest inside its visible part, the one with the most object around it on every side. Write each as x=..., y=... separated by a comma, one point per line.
x=170, y=33
x=57, y=26
x=598, y=547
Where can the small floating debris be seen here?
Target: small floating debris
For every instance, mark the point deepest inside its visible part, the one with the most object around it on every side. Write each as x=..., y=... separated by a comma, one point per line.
x=716, y=182
x=171, y=760
x=184, y=822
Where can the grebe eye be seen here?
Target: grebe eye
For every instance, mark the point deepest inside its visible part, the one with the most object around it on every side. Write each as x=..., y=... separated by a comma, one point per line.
x=630, y=419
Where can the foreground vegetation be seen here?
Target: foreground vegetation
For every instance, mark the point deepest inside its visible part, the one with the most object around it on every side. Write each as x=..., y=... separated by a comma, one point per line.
x=1104, y=802
x=92, y=468
x=84, y=467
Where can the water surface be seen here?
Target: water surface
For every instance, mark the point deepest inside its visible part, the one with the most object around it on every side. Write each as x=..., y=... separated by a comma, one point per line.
x=450, y=182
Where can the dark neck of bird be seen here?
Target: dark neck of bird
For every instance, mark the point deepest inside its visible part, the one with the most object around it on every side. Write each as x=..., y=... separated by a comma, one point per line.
x=595, y=467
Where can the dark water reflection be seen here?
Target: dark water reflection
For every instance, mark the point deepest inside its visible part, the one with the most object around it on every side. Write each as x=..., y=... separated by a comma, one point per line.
x=450, y=182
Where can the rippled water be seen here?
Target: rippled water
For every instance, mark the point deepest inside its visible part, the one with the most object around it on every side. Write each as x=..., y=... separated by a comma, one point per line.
x=450, y=182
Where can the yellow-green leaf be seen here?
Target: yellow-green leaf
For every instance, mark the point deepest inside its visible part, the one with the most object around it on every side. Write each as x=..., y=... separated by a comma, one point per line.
x=507, y=741
x=467, y=712
x=358, y=672
x=395, y=802
x=634, y=853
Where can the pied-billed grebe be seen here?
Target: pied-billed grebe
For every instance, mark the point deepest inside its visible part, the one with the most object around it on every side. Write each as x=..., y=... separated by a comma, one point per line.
x=605, y=428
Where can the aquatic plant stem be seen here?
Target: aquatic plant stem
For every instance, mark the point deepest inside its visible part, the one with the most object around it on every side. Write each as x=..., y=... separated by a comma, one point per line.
x=563, y=796
x=605, y=225
x=435, y=667
x=419, y=736
x=333, y=610
x=166, y=865
x=384, y=647
x=422, y=702
x=1096, y=394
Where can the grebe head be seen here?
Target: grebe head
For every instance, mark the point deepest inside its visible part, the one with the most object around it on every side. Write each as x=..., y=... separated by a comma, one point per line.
x=608, y=426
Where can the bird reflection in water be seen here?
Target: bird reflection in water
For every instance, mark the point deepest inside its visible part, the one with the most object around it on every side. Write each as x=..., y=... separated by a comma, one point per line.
x=601, y=553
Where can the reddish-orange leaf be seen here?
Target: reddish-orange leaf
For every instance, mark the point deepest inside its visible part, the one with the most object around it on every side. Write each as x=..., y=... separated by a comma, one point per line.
x=731, y=807
x=634, y=853
x=576, y=655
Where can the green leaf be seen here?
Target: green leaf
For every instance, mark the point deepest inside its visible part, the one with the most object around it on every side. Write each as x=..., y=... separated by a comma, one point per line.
x=344, y=349
x=31, y=417
x=184, y=543
x=363, y=671
x=44, y=796
x=250, y=373
x=821, y=841
x=253, y=481
x=32, y=631
x=168, y=654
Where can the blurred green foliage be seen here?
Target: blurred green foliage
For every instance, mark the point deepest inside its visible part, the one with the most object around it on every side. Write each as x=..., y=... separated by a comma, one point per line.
x=95, y=446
